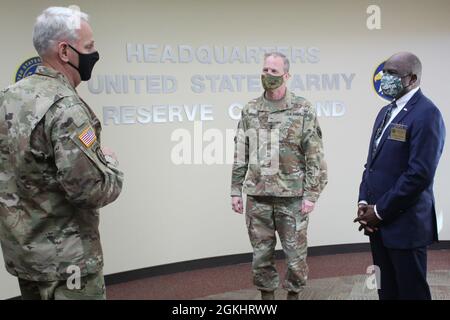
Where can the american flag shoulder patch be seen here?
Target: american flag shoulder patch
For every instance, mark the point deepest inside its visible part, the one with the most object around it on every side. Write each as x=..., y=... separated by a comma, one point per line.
x=88, y=136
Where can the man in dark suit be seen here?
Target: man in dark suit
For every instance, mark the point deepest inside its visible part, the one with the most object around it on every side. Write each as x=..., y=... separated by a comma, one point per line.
x=396, y=203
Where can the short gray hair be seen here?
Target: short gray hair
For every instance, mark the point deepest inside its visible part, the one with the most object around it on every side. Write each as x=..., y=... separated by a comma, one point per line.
x=56, y=24
x=279, y=54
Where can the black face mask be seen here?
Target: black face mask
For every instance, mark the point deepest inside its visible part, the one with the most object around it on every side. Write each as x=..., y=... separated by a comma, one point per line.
x=86, y=62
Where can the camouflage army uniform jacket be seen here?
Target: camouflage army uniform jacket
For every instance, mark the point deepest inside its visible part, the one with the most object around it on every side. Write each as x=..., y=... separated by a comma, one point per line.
x=53, y=179
x=279, y=150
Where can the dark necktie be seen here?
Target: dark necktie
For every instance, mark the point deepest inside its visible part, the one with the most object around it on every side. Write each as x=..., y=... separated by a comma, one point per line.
x=380, y=129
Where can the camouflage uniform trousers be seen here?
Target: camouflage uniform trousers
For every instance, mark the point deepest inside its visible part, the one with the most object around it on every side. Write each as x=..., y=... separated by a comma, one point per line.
x=92, y=288
x=265, y=215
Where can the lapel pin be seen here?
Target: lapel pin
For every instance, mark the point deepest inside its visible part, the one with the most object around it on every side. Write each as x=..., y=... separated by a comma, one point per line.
x=405, y=109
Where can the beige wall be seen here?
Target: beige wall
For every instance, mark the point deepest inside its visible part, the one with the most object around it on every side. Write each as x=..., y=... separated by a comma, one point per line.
x=169, y=213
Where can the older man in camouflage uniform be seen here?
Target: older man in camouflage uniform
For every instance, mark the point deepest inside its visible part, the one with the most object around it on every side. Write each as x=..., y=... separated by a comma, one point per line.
x=279, y=164
x=54, y=175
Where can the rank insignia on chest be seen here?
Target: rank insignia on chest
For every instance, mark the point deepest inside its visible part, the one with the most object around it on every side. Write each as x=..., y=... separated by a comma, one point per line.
x=88, y=136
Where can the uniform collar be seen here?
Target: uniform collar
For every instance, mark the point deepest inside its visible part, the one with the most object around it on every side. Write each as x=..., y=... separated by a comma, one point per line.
x=52, y=73
x=274, y=106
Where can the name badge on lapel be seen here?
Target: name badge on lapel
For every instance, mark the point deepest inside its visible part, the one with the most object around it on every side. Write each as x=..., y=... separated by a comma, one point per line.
x=398, y=132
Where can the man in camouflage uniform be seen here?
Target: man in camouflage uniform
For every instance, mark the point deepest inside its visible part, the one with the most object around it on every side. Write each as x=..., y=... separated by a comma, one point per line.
x=279, y=164
x=54, y=175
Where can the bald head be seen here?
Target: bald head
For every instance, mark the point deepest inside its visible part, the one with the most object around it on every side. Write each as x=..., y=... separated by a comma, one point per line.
x=405, y=63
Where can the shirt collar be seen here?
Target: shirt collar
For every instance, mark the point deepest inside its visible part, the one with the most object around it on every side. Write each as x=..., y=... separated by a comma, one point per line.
x=402, y=101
